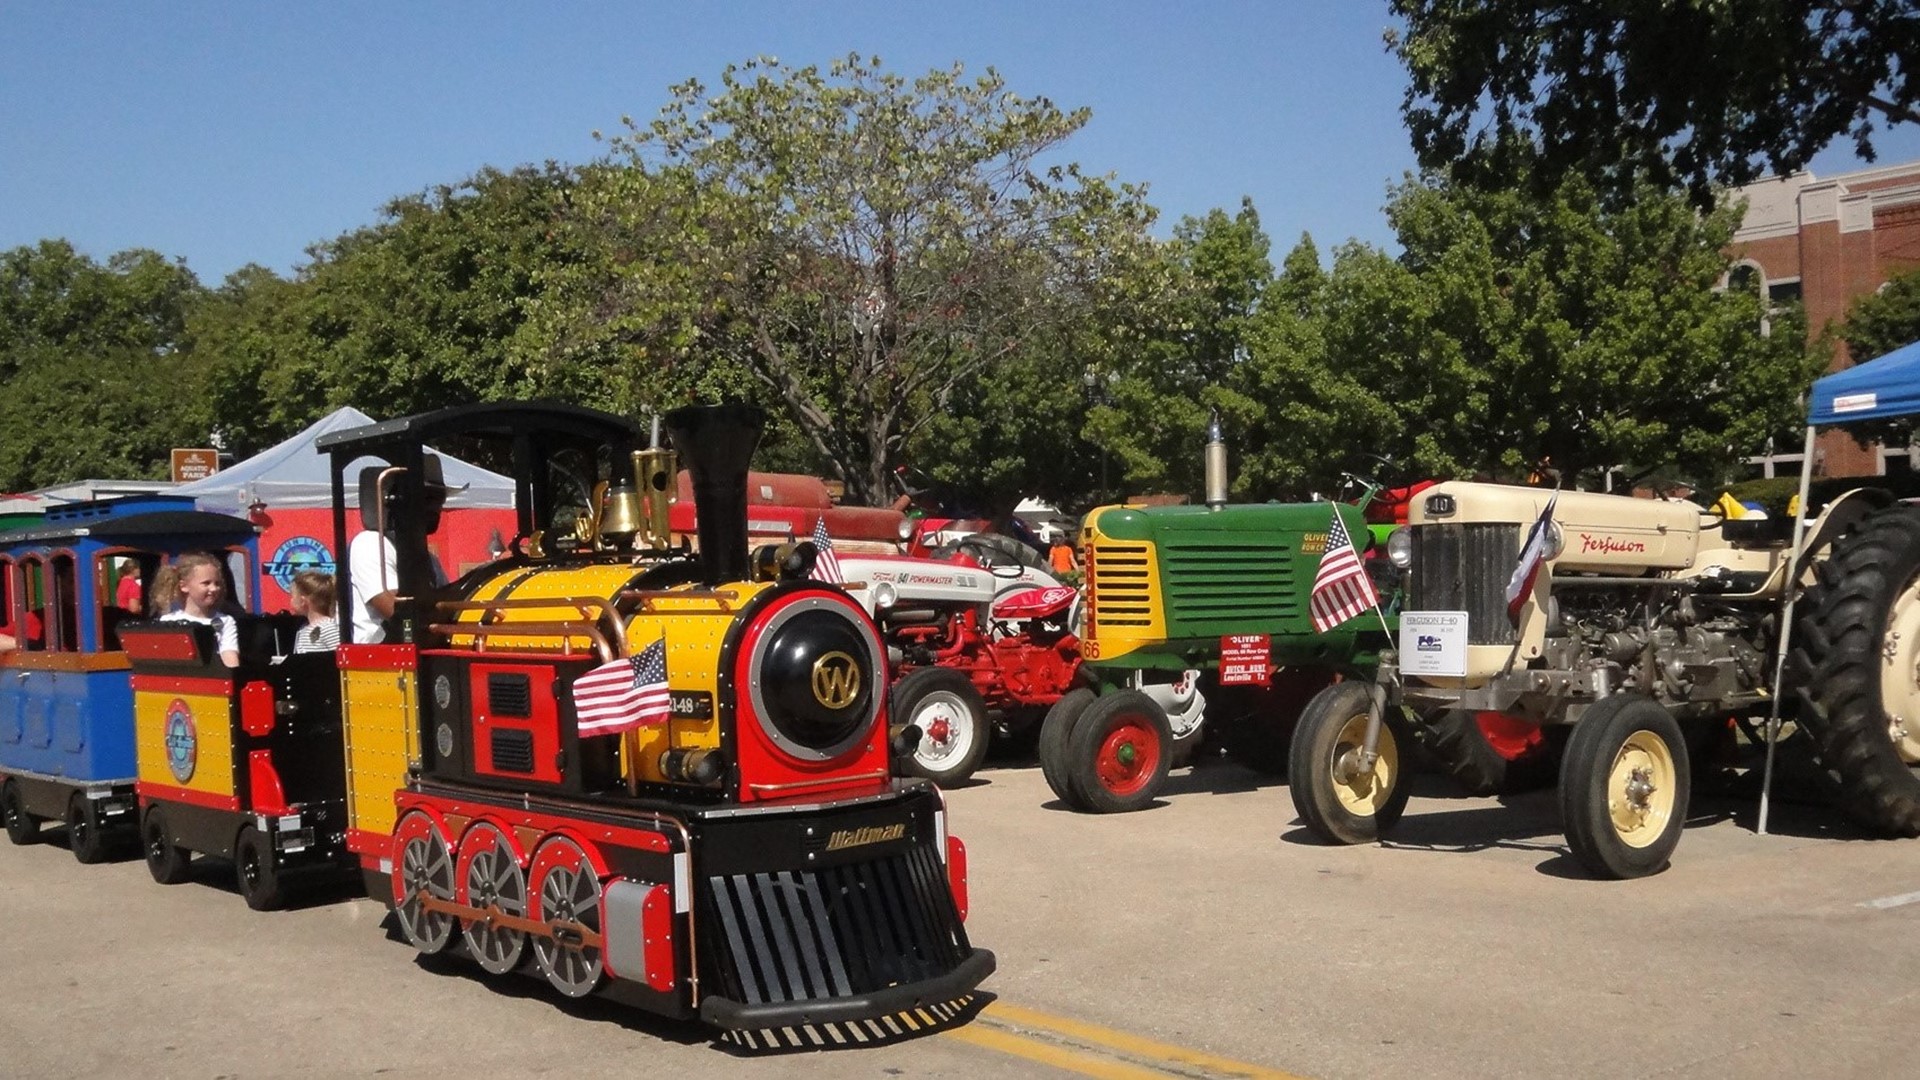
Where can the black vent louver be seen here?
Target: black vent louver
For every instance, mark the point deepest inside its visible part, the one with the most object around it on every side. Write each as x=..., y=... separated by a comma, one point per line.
x=509, y=694
x=512, y=750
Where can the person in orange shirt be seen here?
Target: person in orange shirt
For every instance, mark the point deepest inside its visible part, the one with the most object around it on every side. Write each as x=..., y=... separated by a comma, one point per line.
x=1061, y=555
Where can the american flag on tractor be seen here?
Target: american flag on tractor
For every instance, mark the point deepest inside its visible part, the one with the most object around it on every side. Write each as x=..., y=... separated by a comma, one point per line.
x=1341, y=589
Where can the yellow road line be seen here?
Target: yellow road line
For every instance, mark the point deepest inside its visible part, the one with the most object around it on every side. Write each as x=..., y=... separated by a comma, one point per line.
x=1049, y=1054
x=1000, y=1027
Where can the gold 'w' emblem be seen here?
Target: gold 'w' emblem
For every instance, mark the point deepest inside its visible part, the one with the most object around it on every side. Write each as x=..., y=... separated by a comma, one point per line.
x=836, y=680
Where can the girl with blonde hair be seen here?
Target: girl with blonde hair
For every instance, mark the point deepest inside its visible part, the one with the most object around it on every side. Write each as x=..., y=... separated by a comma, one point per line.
x=191, y=588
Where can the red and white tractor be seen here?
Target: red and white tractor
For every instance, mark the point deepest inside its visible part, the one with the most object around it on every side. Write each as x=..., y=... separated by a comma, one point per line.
x=981, y=637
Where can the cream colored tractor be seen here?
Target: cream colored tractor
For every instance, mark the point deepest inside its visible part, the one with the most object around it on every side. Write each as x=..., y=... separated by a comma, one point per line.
x=1650, y=627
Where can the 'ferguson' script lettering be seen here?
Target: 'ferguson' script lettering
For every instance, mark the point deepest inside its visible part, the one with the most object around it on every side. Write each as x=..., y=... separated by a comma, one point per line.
x=1608, y=545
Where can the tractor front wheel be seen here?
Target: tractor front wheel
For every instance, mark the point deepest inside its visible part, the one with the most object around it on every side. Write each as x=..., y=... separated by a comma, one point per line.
x=1119, y=754
x=1056, y=731
x=952, y=718
x=1624, y=787
x=1341, y=799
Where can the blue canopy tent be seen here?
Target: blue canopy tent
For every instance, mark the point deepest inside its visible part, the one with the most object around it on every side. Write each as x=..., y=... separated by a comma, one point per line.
x=1880, y=389
x=1875, y=390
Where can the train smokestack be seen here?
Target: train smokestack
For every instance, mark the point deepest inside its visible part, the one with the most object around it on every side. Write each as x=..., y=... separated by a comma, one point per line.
x=1216, y=463
x=716, y=443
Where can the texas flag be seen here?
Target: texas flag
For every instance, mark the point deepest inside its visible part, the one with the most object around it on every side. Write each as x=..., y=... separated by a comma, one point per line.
x=1533, y=555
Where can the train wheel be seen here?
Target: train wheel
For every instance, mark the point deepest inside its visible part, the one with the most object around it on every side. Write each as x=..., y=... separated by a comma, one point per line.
x=1120, y=752
x=423, y=870
x=1337, y=800
x=83, y=830
x=566, y=895
x=952, y=719
x=491, y=879
x=1624, y=786
x=1055, y=732
x=22, y=827
x=255, y=872
x=166, y=861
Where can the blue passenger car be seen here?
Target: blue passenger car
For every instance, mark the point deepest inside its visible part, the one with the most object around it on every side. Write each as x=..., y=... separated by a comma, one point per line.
x=67, y=582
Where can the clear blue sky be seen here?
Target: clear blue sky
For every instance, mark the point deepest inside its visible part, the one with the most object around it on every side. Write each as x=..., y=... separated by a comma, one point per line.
x=236, y=133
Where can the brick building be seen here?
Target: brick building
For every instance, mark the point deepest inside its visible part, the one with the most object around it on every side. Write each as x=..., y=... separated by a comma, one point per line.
x=1826, y=242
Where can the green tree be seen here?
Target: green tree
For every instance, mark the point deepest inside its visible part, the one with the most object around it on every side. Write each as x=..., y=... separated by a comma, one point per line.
x=452, y=297
x=1560, y=329
x=1675, y=91
x=1319, y=383
x=101, y=376
x=1881, y=322
x=876, y=248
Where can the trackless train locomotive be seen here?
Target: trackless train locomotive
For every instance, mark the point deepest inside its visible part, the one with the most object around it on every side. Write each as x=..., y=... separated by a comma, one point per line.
x=629, y=769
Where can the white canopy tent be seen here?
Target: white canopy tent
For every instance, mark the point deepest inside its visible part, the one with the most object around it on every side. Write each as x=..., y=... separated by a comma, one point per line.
x=292, y=475
x=1880, y=389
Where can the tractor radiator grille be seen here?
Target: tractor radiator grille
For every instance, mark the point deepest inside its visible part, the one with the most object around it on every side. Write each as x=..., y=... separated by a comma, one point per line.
x=1119, y=577
x=1466, y=568
x=805, y=935
x=1210, y=580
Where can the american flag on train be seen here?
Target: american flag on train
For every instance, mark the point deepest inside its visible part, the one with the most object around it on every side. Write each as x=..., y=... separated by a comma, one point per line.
x=624, y=694
x=826, y=565
x=1342, y=588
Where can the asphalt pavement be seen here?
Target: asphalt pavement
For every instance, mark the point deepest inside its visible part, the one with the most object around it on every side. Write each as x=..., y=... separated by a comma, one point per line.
x=1204, y=937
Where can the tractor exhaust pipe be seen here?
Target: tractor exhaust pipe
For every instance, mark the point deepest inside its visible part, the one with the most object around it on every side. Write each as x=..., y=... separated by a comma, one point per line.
x=1216, y=463
x=717, y=442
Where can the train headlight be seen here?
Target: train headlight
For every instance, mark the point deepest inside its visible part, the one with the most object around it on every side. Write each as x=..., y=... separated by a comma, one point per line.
x=818, y=684
x=1400, y=547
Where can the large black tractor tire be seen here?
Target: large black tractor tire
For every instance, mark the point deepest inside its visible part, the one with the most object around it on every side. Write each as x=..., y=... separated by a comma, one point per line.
x=1490, y=763
x=1119, y=754
x=952, y=718
x=1624, y=786
x=167, y=862
x=1259, y=721
x=1855, y=661
x=1056, y=732
x=22, y=827
x=1337, y=803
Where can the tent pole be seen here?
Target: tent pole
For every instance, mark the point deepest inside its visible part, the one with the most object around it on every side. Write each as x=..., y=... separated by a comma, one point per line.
x=1792, y=589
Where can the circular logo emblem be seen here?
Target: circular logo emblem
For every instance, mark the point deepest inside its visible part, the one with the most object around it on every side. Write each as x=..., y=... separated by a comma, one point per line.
x=836, y=680
x=297, y=554
x=443, y=740
x=183, y=740
x=442, y=691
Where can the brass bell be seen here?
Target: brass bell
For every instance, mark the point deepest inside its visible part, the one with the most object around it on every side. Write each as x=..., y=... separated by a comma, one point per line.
x=620, y=515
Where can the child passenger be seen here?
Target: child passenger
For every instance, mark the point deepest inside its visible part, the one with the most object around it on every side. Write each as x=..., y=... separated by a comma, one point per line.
x=190, y=588
x=312, y=595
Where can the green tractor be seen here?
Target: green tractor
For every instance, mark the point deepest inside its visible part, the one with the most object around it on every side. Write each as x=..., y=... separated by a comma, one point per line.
x=1196, y=617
